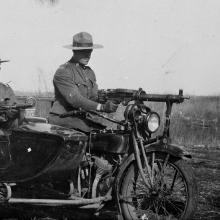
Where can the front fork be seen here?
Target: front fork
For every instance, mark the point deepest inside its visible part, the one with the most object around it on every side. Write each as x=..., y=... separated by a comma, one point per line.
x=134, y=157
x=138, y=143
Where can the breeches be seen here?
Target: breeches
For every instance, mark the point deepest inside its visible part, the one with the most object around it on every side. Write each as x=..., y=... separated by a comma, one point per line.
x=75, y=123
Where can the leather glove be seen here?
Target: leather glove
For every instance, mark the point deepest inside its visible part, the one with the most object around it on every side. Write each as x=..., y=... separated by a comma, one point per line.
x=109, y=107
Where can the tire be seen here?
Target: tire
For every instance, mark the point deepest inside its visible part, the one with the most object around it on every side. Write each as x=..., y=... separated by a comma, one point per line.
x=173, y=194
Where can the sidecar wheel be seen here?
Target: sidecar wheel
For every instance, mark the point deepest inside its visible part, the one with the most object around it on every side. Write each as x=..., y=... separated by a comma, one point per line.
x=172, y=196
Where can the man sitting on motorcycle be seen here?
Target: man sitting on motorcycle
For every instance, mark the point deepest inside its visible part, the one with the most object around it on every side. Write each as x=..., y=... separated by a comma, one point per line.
x=75, y=86
x=7, y=97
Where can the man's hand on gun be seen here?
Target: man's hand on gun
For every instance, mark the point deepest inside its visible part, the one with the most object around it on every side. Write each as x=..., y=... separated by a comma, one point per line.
x=109, y=107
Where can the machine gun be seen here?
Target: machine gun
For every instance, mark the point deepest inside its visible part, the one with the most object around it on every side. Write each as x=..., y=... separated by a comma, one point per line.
x=13, y=111
x=4, y=61
x=29, y=103
x=124, y=96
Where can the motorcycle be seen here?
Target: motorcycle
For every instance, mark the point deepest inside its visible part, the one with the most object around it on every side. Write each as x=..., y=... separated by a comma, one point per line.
x=131, y=169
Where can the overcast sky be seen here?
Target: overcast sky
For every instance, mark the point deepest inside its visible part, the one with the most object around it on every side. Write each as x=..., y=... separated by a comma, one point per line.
x=160, y=45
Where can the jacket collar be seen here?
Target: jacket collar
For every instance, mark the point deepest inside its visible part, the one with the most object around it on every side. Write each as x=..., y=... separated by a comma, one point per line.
x=72, y=60
x=77, y=64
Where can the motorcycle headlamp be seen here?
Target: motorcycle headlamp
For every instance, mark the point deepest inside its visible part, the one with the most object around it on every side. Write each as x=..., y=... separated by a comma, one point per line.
x=143, y=116
x=152, y=122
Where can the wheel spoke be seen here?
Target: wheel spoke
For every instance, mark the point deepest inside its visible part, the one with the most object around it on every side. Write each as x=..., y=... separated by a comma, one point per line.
x=159, y=206
x=179, y=187
x=175, y=206
x=178, y=198
x=162, y=171
x=164, y=209
x=152, y=164
x=174, y=179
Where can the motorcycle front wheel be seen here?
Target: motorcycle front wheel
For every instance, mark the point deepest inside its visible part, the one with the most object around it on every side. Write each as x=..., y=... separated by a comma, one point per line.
x=170, y=192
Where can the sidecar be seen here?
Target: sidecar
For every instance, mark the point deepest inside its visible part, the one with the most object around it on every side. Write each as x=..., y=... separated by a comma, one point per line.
x=39, y=152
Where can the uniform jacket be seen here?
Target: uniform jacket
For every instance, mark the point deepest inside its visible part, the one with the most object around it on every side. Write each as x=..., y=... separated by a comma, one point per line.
x=75, y=86
x=6, y=94
x=7, y=97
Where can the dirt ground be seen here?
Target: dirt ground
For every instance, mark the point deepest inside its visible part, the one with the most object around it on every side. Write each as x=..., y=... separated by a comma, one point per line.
x=206, y=163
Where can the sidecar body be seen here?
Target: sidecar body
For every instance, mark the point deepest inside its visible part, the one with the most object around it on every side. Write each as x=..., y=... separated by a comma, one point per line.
x=39, y=151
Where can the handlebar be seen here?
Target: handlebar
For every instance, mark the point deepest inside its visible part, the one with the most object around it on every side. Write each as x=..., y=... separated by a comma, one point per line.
x=84, y=114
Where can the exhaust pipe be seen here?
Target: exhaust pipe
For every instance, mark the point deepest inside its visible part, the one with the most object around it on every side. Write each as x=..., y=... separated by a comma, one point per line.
x=59, y=202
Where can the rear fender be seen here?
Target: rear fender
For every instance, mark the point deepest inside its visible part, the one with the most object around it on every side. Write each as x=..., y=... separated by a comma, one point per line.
x=174, y=150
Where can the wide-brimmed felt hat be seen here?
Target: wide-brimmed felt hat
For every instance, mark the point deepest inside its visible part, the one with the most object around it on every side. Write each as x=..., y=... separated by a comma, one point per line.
x=83, y=41
x=4, y=61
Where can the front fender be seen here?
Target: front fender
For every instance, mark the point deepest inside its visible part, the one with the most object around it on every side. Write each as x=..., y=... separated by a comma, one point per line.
x=119, y=177
x=172, y=149
x=124, y=165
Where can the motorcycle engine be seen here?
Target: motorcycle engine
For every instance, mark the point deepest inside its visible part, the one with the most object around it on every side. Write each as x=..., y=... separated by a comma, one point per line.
x=96, y=176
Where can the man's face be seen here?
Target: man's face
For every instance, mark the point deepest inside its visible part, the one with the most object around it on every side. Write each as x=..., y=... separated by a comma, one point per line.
x=82, y=56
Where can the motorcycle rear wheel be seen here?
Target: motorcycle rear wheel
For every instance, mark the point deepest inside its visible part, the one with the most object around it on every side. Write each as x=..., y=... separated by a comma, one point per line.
x=172, y=194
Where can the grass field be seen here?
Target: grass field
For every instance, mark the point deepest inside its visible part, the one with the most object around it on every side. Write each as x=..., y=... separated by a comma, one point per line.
x=195, y=124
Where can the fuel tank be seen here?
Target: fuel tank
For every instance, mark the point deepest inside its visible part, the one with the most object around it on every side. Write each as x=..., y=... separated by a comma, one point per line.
x=110, y=141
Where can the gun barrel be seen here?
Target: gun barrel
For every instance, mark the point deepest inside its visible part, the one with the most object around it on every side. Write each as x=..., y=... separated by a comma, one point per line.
x=17, y=106
x=161, y=98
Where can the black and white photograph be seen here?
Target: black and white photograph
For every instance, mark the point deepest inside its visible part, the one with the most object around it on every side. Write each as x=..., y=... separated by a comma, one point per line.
x=109, y=110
